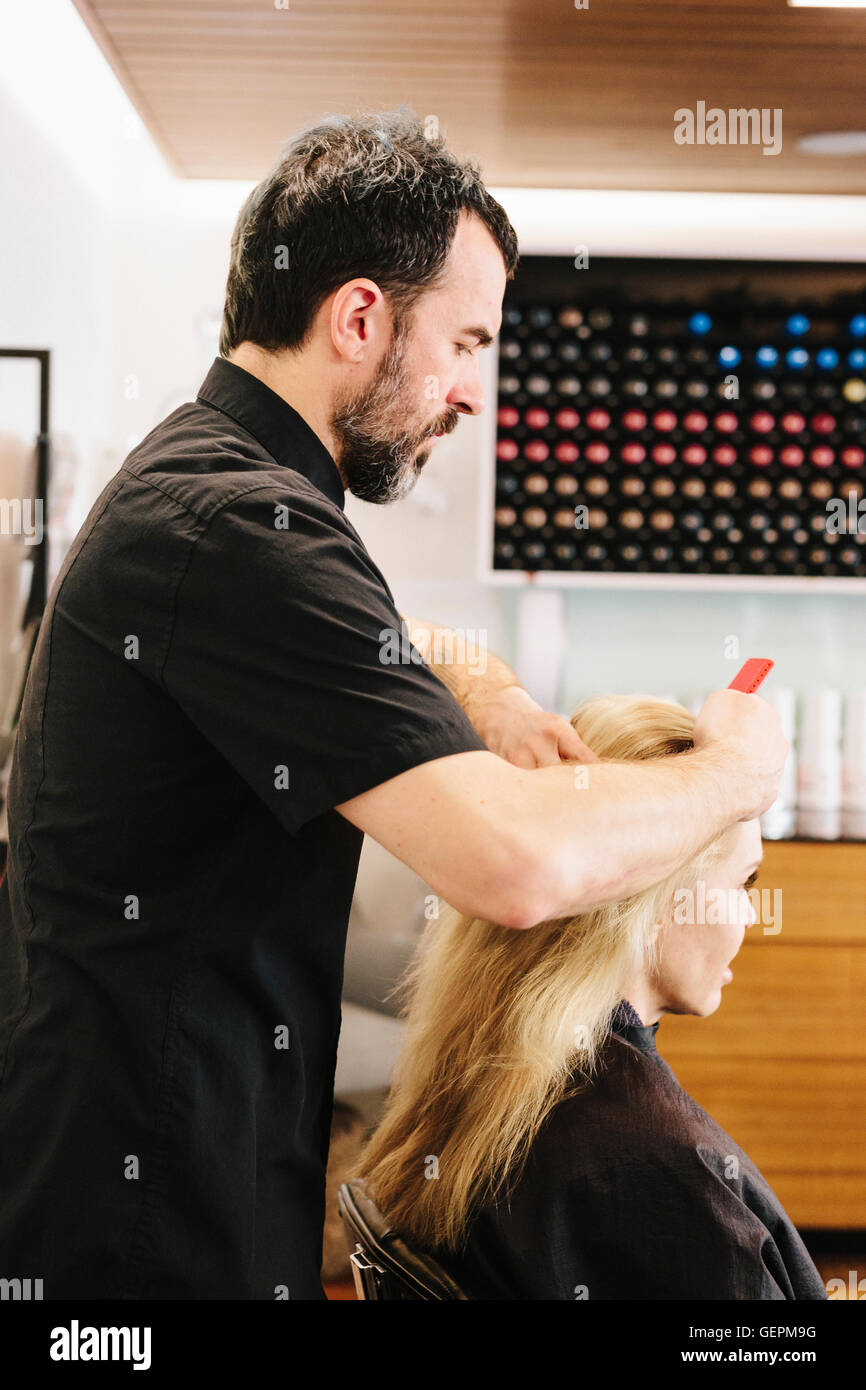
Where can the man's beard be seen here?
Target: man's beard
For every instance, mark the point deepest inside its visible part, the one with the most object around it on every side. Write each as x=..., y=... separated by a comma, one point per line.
x=377, y=452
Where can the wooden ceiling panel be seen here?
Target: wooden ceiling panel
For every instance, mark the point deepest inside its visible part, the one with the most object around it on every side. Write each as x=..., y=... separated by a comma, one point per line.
x=542, y=93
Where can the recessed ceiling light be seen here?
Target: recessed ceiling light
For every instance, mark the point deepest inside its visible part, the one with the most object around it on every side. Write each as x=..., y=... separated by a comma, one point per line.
x=834, y=142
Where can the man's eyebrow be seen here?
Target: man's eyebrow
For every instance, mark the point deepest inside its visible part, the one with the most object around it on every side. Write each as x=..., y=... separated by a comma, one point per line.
x=484, y=338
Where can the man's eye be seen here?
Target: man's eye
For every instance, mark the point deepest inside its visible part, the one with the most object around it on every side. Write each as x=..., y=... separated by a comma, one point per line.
x=751, y=879
x=462, y=347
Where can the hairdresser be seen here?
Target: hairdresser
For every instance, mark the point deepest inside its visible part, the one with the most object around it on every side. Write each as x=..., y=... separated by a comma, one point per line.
x=212, y=720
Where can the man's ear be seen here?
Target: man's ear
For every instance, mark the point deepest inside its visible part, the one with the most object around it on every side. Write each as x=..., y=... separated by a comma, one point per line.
x=358, y=314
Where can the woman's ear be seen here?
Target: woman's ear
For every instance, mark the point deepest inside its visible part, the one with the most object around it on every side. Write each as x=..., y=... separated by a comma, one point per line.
x=653, y=948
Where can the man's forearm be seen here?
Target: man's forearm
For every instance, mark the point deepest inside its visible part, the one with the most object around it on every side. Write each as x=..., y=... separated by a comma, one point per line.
x=607, y=830
x=469, y=670
x=598, y=832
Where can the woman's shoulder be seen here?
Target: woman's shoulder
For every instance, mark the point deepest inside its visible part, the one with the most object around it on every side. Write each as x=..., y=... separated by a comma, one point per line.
x=636, y=1119
x=634, y=1105
x=630, y=1083
x=631, y=1190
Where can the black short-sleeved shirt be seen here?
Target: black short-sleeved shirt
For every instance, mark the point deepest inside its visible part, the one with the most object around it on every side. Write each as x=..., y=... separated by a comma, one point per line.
x=632, y=1191
x=208, y=684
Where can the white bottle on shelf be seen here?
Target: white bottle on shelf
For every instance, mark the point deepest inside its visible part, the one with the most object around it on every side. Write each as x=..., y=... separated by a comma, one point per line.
x=854, y=767
x=819, y=780
x=541, y=643
x=780, y=821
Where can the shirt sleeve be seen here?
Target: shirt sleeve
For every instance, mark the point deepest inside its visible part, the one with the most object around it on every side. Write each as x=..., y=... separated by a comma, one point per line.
x=289, y=655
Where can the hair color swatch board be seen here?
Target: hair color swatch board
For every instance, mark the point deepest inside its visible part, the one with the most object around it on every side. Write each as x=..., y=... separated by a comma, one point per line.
x=687, y=417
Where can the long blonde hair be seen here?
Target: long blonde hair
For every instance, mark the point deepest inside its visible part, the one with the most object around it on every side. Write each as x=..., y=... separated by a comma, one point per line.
x=501, y=1024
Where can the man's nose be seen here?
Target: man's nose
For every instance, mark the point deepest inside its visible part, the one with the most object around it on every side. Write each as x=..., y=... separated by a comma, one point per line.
x=468, y=394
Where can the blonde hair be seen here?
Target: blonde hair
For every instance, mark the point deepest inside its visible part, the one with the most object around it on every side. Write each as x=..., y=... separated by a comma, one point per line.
x=501, y=1024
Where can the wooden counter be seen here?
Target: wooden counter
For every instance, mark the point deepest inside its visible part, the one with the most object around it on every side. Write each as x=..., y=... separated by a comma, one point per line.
x=782, y=1064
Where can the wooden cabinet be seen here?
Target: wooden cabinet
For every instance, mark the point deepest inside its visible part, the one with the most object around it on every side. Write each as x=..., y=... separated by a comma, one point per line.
x=782, y=1064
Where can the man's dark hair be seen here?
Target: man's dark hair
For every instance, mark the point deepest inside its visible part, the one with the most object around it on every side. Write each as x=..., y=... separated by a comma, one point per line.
x=368, y=195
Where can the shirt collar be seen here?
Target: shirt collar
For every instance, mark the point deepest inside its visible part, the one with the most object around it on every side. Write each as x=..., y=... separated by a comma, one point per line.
x=277, y=426
x=627, y=1023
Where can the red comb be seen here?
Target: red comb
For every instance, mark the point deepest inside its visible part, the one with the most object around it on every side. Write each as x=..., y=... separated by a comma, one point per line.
x=749, y=677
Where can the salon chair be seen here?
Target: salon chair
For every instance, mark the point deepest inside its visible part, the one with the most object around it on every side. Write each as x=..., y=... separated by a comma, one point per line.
x=383, y=1265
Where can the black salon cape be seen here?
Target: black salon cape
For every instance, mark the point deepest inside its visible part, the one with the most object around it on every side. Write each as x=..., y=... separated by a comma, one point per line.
x=627, y=1195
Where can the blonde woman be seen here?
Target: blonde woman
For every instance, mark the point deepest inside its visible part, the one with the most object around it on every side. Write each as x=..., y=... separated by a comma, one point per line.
x=534, y=1140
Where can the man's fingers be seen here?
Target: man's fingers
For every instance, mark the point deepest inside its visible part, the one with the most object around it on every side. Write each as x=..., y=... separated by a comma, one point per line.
x=525, y=757
x=570, y=746
x=546, y=754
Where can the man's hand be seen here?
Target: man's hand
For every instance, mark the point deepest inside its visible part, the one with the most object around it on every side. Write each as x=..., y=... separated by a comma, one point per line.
x=519, y=730
x=747, y=732
x=508, y=719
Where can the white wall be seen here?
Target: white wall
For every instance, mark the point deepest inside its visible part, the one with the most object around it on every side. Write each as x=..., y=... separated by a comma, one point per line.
x=169, y=272
x=55, y=293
